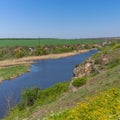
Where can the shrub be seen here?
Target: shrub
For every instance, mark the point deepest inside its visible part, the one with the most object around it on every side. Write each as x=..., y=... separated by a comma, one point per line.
x=79, y=82
x=35, y=96
x=97, y=61
x=29, y=97
x=18, y=54
x=51, y=94
x=116, y=46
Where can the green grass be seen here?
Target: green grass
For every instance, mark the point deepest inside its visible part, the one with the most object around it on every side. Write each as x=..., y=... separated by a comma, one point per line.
x=44, y=41
x=105, y=106
x=79, y=82
x=113, y=63
x=13, y=71
x=40, y=97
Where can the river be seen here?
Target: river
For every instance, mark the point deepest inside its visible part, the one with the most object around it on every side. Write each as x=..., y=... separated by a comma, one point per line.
x=43, y=74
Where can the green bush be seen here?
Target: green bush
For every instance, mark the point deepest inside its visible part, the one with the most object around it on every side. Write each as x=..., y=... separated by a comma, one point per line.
x=51, y=94
x=18, y=54
x=97, y=61
x=116, y=46
x=35, y=96
x=29, y=97
x=79, y=82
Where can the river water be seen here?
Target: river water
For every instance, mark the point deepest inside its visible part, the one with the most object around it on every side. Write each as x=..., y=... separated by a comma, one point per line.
x=43, y=74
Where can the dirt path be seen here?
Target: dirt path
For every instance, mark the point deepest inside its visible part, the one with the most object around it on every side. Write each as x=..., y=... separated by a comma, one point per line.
x=30, y=59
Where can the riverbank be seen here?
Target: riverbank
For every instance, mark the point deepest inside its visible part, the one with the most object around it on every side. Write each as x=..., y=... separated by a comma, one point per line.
x=11, y=72
x=104, y=69
x=30, y=59
x=12, y=68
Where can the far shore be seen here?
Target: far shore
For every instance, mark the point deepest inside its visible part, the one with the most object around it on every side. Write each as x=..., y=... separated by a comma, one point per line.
x=30, y=59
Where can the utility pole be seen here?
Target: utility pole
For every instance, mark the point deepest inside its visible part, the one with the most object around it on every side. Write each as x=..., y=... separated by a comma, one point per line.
x=39, y=41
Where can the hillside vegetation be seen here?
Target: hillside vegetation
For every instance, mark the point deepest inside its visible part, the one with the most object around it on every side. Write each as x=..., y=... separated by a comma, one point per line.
x=105, y=106
x=97, y=98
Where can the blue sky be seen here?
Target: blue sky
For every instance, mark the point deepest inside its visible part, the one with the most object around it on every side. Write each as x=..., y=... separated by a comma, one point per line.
x=59, y=18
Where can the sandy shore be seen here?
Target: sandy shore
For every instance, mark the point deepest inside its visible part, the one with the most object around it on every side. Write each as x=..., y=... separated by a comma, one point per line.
x=30, y=59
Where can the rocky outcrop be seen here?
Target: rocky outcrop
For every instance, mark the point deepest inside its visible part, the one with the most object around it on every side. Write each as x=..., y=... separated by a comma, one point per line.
x=103, y=59
x=84, y=69
x=95, y=65
x=90, y=66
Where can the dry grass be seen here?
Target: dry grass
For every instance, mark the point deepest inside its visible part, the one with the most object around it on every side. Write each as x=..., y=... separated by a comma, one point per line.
x=30, y=59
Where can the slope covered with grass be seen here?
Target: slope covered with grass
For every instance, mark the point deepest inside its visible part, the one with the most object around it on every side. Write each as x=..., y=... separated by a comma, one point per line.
x=105, y=106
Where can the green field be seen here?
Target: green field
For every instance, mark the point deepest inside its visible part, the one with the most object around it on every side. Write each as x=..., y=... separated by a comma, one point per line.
x=44, y=41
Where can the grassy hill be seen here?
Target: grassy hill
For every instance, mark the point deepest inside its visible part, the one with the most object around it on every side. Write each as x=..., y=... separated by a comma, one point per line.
x=95, y=99
x=102, y=105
